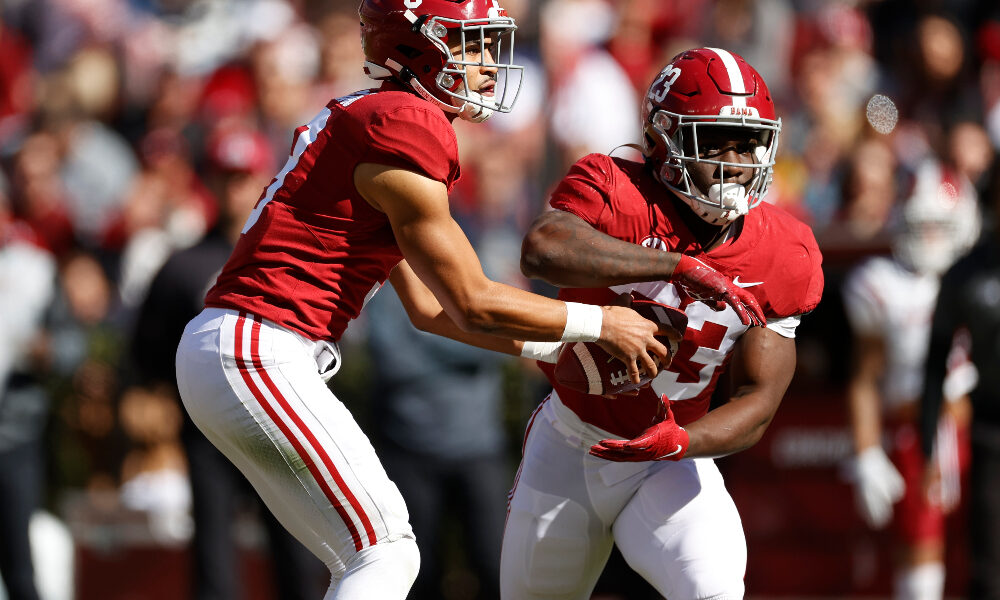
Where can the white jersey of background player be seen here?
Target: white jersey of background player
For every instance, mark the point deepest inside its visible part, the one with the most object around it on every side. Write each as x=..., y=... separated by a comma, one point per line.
x=889, y=303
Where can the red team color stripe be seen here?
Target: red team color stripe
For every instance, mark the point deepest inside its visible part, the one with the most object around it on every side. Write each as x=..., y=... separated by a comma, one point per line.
x=296, y=443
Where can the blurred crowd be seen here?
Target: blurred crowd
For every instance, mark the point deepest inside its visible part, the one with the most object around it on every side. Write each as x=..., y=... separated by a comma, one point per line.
x=132, y=129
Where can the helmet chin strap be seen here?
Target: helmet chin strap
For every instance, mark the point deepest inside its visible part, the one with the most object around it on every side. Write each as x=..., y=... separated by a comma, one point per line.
x=469, y=111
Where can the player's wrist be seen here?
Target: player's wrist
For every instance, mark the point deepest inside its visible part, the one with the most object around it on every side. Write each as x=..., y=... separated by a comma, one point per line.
x=543, y=351
x=683, y=441
x=685, y=263
x=583, y=323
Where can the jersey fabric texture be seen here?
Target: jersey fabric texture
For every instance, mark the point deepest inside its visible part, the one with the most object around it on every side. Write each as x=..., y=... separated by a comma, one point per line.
x=313, y=250
x=774, y=256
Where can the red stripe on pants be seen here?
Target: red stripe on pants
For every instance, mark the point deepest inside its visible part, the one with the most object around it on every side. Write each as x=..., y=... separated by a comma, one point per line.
x=296, y=443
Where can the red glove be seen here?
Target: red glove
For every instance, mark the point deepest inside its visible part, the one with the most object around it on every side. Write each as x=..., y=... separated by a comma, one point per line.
x=664, y=441
x=713, y=288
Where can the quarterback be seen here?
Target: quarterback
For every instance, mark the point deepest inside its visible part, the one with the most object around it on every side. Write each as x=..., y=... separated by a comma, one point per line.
x=638, y=471
x=362, y=199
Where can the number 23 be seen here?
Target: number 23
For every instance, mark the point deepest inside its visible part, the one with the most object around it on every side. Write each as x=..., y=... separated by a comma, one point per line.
x=667, y=78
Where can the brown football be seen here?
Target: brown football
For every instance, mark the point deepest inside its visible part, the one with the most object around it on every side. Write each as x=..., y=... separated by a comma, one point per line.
x=587, y=367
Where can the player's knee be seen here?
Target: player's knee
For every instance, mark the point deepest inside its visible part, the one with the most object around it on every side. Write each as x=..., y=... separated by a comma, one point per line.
x=720, y=587
x=693, y=580
x=396, y=560
x=404, y=555
x=386, y=570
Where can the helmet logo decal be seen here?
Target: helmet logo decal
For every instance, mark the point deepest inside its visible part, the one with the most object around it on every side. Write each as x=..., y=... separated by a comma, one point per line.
x=666, y=79
x=739, y=111
x=412, y=3
x=495, y=11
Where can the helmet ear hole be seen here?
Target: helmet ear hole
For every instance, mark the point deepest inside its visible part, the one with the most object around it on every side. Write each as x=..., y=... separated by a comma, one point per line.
x=662, y=120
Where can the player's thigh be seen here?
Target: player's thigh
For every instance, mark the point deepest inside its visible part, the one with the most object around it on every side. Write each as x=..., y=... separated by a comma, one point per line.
x=555, y=545
x=263, y=405
x=683, y=534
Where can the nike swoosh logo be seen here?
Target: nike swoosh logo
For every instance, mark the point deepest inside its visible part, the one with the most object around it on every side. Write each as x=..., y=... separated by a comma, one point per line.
x=745, y=284
x=679, y=448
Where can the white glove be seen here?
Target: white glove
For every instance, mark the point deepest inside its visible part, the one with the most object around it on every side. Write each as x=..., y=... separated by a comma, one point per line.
x=877, y=486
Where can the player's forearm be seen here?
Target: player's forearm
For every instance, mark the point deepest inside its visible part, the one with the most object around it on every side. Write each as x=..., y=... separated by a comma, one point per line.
x=505, y=311
x=563, y=250
x=733, y=427
x=427, y=314
x=863, y=403
x=444, y=326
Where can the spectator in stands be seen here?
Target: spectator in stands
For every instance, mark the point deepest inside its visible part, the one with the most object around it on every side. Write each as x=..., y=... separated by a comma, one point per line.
x=27, y=283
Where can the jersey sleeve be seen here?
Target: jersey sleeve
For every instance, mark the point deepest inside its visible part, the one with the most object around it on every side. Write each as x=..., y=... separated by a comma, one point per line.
x=415, y=139
x=864, y=307
x=798, y=265
x=583, y=191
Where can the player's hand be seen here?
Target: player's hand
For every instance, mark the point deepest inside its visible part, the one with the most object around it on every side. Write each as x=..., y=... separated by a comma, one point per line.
x=716, y=290
x=877, y=486
x=630, y=337
x=664, y=441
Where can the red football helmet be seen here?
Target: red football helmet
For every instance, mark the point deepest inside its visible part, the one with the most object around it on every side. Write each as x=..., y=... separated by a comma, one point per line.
x=410, y=40
x=701, y=88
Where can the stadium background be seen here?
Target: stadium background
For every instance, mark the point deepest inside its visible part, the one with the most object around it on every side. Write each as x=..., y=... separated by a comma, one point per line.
x=111, y=113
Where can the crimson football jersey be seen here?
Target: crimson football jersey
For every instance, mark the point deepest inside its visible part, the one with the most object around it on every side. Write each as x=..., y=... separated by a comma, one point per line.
x=773, y=255
x=313, y=251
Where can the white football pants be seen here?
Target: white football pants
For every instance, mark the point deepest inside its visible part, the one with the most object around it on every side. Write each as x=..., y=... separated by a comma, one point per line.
x=254, y=390
x=674, y=522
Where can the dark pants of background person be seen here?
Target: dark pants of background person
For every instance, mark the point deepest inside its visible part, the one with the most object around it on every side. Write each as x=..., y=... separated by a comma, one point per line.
x=474, y=491
x=984, y=512
x=21, y=476
x=218, y=491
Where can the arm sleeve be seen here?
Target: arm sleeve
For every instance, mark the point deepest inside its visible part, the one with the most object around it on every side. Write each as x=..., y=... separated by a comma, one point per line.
x=414, y=139
x=785, y=326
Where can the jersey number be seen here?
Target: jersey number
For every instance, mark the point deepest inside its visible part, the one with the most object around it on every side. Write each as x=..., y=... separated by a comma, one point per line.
x=709, y=336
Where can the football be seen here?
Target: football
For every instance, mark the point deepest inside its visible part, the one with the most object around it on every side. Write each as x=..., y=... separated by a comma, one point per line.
x=587, y=367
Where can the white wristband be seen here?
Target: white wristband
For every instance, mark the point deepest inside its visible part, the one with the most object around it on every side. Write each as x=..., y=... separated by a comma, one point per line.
x=583, y=322
x=543, y=351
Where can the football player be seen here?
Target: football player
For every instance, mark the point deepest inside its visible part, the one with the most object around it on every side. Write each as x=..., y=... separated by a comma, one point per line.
x=638, y=471
x=362, y=198
x=889, y=303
